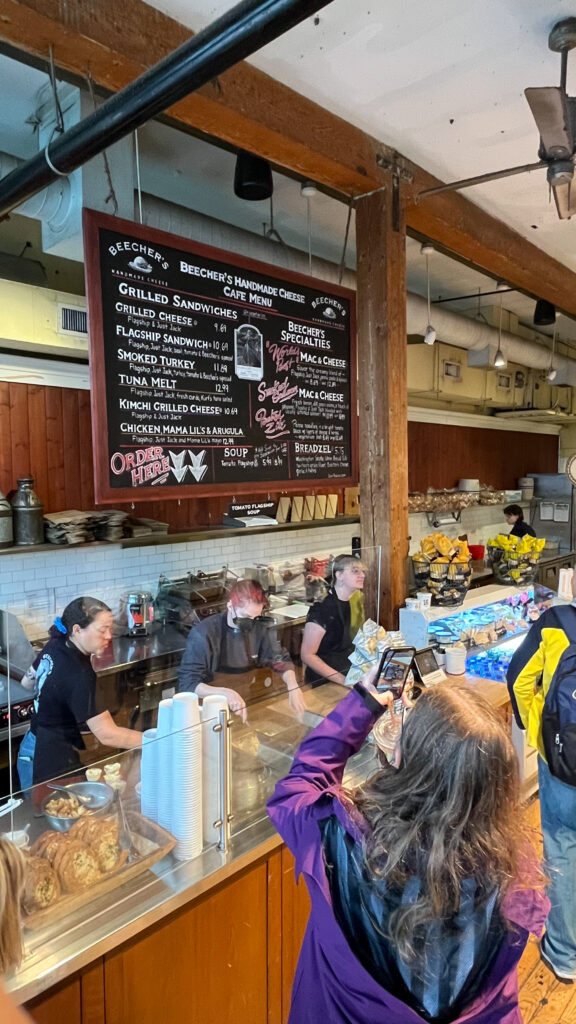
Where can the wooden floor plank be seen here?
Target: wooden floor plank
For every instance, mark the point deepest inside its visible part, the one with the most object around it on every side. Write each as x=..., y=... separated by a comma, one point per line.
x=543, y=1000
x=529, y=962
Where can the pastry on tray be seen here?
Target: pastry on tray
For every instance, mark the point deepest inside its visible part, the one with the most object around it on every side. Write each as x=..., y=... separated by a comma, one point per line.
x=78, y=868
x=102, y=838
x=41, y=885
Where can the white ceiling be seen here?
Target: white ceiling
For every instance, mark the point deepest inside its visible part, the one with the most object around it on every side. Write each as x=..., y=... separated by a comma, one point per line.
x=441, y=82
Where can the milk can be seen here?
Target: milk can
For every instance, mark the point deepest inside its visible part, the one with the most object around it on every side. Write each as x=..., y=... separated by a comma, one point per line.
x=6, y=532
x=28, y=513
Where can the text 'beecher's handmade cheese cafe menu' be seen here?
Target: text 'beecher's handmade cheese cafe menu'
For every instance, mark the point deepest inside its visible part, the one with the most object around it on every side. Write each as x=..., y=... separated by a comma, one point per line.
x=211, y=372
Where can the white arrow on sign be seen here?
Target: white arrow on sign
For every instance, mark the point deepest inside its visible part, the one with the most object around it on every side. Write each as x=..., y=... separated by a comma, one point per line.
x=178, y=467
x=197, y=468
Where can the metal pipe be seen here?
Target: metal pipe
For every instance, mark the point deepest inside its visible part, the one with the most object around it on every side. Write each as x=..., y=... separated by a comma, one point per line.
x=466, y=332
x=231, y=38
x=224, y=779
x=479, y=179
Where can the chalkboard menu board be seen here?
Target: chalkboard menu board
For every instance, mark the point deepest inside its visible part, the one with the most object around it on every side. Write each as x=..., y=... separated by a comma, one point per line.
x=213, y=373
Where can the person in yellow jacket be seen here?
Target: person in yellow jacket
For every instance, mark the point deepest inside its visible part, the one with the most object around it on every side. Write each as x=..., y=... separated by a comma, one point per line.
x=529, y=676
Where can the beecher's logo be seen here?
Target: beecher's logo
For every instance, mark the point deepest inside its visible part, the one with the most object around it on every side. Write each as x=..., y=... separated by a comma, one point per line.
x=329, y=307
x=142, y=257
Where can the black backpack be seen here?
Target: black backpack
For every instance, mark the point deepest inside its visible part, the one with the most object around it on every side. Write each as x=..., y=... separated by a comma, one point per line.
x=559, y=719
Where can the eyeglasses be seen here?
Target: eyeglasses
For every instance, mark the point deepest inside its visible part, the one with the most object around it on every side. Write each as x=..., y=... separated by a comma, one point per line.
x=356, y=570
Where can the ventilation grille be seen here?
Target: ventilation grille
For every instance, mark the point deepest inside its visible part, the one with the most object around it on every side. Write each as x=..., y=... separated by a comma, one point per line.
x=73, y=320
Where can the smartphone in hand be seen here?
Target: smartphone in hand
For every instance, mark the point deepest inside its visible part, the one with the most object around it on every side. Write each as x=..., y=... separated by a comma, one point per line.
x=395, y=665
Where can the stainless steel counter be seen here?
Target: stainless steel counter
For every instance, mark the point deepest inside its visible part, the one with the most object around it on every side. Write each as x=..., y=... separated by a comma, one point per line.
x=125, y=651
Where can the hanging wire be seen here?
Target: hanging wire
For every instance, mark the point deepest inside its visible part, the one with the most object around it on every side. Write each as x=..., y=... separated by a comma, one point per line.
x=309, y=227
x=111, y=190
x=499, y=360
x=271, y=232
x=552, y=371
x=342, y=267
x=138, y=185
x=59, y=115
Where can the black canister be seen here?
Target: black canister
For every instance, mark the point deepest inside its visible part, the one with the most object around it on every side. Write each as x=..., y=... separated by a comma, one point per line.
x=6, y=530
x=28, y=513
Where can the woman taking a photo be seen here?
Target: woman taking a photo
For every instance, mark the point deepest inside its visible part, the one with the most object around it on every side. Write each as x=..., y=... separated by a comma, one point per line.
x=327, y=638
x=65, y=705
x=424, y=887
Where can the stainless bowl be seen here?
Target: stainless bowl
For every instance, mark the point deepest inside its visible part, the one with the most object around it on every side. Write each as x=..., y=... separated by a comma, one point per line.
x=101, y=796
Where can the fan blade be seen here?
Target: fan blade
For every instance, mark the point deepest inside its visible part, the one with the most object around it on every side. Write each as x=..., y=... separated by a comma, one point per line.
x=565, y=199
x=550, y=111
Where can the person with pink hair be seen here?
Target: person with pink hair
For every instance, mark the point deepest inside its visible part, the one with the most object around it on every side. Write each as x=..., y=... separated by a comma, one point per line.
x=235, y=642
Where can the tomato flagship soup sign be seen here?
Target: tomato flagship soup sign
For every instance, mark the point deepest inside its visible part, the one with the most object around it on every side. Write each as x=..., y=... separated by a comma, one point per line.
x=212, y=373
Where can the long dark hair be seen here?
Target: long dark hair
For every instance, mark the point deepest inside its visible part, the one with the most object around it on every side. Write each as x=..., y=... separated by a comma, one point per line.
x=80, y=612
x=450, y=811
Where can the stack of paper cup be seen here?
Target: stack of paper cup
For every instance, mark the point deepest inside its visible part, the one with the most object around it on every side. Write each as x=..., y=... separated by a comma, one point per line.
x=164, y=744
x=149, y=774
x=211, y=707
x=186, y=776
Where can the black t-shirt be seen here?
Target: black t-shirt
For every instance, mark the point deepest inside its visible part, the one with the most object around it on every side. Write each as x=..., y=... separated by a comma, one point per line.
x=520, y=529
x=66, y=700
x=333, y=615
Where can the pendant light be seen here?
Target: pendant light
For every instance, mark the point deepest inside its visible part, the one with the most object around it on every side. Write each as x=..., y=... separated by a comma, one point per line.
x=430, y=333
x=499, y=358
x=308, y=191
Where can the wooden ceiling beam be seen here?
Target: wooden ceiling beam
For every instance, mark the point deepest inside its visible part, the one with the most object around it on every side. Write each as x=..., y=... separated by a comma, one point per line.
x=116, y=42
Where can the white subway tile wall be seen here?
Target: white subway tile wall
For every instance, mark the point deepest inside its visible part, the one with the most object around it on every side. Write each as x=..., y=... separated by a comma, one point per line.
x=36, y=587
x=479, y=523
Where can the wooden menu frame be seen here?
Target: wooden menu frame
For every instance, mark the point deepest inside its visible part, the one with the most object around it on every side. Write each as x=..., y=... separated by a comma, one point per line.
x=98, y=277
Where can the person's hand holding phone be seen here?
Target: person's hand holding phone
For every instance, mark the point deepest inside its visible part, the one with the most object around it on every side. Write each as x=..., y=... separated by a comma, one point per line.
x=368, y=681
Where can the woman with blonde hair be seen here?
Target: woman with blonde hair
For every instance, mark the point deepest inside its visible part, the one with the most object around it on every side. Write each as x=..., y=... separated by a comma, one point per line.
x=423, y=882
x=11, y=885
x=327, y=638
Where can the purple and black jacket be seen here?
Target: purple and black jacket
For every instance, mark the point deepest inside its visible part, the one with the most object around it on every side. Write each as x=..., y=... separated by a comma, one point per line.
x=331, y=986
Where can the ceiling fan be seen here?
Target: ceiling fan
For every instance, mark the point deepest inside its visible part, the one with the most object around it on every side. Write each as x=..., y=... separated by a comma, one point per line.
x=555, y=115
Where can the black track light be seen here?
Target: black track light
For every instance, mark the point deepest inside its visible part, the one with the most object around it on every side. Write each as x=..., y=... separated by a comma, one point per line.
x=544, y=313
x=252, y=177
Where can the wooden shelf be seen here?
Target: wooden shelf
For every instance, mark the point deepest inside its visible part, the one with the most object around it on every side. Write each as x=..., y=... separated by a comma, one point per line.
x=191, y=536
x=223, y=531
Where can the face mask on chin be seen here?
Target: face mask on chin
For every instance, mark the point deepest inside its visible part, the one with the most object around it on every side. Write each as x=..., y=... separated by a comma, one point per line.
x=246, y=624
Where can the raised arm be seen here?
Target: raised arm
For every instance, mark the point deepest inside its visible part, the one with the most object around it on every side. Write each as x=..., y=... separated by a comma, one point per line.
x=305, y=794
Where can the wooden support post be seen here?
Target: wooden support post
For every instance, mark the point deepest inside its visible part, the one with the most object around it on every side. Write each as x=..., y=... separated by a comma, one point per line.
x=382, y=391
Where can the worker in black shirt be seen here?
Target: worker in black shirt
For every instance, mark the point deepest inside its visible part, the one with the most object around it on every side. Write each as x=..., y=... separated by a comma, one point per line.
x=327, y=639
x=65, y=705
x=515, y=518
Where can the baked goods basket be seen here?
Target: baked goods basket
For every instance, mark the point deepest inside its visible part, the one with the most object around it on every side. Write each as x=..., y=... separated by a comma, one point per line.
x=66, y=871
x=442, y=566
x=515, y=560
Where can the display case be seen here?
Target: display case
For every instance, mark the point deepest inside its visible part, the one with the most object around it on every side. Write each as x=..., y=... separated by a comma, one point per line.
x=489, y=616
x=491, y=625
x=157, y=840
